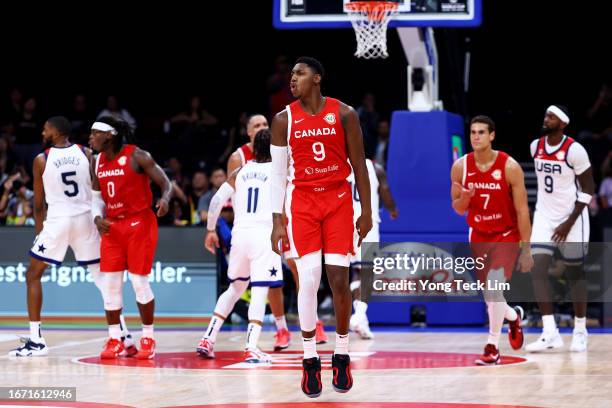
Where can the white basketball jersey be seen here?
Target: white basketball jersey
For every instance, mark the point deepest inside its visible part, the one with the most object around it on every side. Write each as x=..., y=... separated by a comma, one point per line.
x=252, y=198
x=556, y=168
x=67, y=181
x=375, y=198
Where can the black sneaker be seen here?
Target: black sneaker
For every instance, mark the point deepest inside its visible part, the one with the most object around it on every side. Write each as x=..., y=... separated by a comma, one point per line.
x=311, y=377
x=30, y=348
x=343, y=380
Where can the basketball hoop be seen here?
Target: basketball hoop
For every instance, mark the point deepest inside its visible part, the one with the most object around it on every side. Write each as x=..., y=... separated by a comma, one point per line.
x=370, y=20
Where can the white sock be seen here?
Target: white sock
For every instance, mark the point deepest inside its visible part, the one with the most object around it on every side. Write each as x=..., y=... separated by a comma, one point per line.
x=360, y=307
x=114, y=331
x=281, y=323
x=342, y=344
x=124, y=328
x=147, y=330
x=213, y=328
x=579, y=324
x=253, y=332
x=35, y=333
x=511, y=314
x=549, y=323
x=310, y=347
x=496, y=310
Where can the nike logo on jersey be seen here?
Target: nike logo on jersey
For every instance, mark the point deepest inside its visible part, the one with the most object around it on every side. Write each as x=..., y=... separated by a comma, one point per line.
x=471, y=174
x=505, y=234
x=341, y=195
x=298, y=121
x=135, y=223
x=100, y=165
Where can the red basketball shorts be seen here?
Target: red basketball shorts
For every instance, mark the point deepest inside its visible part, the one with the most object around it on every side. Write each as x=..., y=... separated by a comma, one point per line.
x=498, y=250
x=130, y=244
x=320, y=220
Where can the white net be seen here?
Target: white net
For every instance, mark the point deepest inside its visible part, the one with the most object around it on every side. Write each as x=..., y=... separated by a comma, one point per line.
x=370, y=21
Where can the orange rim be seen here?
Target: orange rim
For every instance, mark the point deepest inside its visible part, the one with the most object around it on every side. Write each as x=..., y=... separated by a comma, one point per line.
x=375, y=10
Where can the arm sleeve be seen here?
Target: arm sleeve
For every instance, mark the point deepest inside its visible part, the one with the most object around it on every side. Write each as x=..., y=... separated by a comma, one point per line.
x=216, y=204
x=97, y=204
x=279, y=177
x=578, y=158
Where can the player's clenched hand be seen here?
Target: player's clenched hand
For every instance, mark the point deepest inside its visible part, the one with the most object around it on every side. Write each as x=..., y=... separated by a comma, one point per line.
x=102, y=224
x=279, y=233
x=211, y=242
x=525, y=260
x=465, y=193
x=393, y=213
x=162, y=207
x=363, y=225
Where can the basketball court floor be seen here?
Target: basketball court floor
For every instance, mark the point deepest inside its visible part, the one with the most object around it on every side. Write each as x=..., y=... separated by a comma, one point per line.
x=399, y=368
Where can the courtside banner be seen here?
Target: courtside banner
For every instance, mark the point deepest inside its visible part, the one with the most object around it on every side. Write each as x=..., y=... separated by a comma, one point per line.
x=463, y=272
x=183, y=278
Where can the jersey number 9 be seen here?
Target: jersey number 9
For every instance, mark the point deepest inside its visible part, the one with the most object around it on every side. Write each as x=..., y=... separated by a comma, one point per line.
x=319, y=151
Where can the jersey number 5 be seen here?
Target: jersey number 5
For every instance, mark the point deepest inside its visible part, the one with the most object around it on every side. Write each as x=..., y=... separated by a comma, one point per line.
x=70, y=183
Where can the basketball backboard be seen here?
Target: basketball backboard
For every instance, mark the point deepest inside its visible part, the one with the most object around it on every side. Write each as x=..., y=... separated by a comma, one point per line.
x=305, y=14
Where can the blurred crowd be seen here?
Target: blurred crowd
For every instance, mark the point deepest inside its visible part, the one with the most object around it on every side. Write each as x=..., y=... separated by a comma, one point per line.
x=194, y=144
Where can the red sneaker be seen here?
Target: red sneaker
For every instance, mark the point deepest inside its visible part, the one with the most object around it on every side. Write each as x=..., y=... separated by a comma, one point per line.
x=490, y=356
x=112, y=349
x=205, y=349
x=320, y=335
x=283, y=339
x=147, y=349
x=515, y=332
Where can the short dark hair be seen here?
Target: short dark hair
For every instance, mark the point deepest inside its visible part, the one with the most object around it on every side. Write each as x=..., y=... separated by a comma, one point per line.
x=61, y=124
x=563, y=108
x=215, y=169
x=252, y=115
x=261, y=146
x=313, y=63
x=484, y=119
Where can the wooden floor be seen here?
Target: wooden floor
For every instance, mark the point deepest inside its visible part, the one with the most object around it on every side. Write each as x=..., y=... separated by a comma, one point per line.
x=553, y=379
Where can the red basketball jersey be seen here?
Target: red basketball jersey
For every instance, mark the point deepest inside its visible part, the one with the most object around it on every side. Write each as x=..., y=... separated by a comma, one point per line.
x=317, y=146
x=491, y=209
x=125, y=191
x=246, y=154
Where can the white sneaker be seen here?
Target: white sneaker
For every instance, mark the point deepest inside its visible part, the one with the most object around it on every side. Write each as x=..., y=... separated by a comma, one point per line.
x=353, y=323
x=327, y=303
x=360, y=325
x=546, y=341
x=256, y=356
x=580, y=340
x=30, y=348
x=130, y=349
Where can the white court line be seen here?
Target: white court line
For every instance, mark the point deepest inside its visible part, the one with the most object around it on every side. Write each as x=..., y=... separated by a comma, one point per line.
x=78, y=343
x=62, y=345
x=8, y=337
